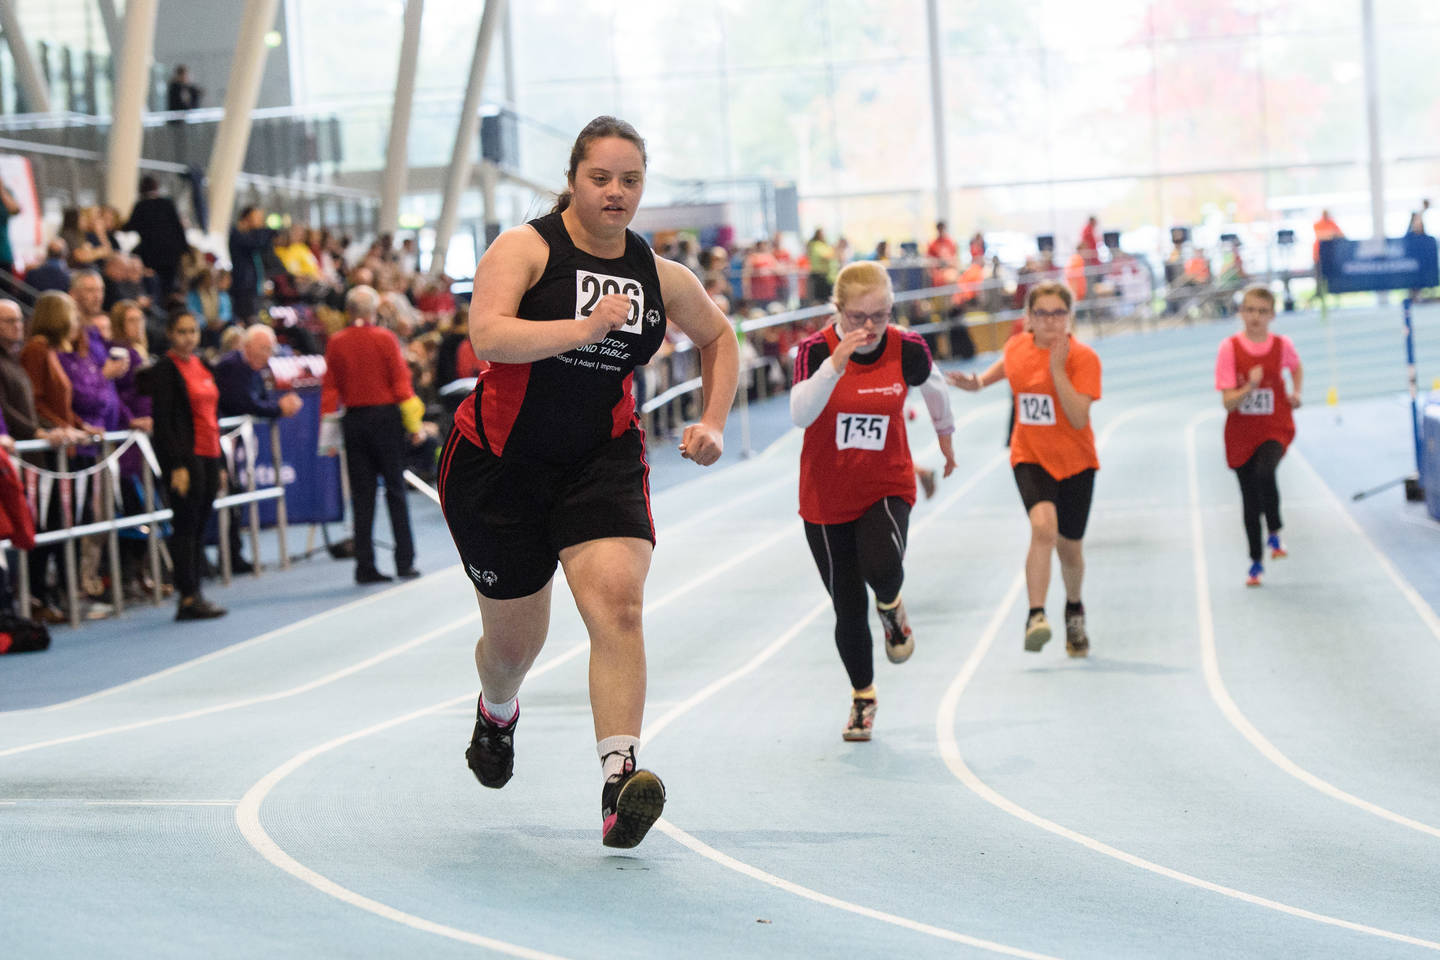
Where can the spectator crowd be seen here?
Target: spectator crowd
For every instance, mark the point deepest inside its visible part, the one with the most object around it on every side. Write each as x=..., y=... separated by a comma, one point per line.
x=102, y=308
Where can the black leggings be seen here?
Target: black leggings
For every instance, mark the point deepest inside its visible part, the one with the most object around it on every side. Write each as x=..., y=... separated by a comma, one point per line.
x=191, y=514
x=870, y=550
x=1259, y=493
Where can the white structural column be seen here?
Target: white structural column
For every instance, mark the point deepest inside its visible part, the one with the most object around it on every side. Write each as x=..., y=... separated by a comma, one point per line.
x=397, y=156
x=132, y=79
x=460, y=160
x=937, y=110
x=246, y=71
x=1372, y=120
x=37, y=97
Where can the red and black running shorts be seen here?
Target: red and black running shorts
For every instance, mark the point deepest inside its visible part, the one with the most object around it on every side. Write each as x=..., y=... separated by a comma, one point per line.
x=512, y=515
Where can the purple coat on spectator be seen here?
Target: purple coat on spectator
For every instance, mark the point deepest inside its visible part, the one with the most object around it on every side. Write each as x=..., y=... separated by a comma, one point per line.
x=94, y=399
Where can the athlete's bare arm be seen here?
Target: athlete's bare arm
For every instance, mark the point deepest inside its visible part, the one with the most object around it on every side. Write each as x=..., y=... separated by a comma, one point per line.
x=691, y=309
x=973, y=382
x=1075, y=404
x=512, y=265
x=1297, y=379
x=1231, y=398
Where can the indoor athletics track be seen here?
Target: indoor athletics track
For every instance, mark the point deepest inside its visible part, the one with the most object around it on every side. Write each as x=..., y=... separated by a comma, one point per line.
x=1232, y=772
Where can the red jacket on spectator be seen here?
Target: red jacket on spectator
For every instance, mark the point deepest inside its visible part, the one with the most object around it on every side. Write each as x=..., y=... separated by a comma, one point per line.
x=364, y=368
x=16, y=524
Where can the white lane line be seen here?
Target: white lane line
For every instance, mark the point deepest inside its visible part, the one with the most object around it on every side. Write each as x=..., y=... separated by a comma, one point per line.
x=728, y=505
x=1211, y=657
x=247, y=818
x=387, y=593
x=162, y=802
x=945, y=721
x=251, y=701
x=1426, y=612
x=710, y=853
x=120, y=803
x=247, y=815
x=725, y=860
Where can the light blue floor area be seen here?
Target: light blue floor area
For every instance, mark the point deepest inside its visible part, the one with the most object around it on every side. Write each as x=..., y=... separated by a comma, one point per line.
x=1232, y=773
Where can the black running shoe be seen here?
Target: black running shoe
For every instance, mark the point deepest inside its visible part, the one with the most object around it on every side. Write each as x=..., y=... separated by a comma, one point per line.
x=491, y=754
x=629, y=806
x=1077, y=641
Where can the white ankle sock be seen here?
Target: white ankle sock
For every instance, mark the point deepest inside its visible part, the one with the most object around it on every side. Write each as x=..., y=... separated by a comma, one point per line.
x=501, y=712
x=615, y=752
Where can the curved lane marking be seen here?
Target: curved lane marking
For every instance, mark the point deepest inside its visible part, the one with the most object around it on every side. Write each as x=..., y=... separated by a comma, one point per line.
x=247, y=815
x=318, y=682
x=233, y=648
x=945, y=720
x=1211, y=657
x=247, y=818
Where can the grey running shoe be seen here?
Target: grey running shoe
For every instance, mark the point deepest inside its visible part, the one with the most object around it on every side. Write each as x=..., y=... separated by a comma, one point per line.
x=862, y=719
x=899, y=641
x=1077, y=644
x=1037, y=632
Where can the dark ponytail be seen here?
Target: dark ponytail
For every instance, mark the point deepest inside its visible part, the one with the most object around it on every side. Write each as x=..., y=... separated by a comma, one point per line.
x=594, y=130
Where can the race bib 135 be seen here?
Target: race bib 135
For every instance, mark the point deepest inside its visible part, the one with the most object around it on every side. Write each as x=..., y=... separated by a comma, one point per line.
x=861, y=431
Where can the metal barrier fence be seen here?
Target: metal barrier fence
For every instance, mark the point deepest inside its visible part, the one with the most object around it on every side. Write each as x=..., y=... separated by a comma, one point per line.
x=71, y=487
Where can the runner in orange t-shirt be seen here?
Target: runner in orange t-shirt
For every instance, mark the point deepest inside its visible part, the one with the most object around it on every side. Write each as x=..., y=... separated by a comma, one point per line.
x=1055, y=378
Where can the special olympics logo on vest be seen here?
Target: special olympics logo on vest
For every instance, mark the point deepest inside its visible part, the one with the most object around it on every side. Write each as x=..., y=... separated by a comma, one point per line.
x=893, y=390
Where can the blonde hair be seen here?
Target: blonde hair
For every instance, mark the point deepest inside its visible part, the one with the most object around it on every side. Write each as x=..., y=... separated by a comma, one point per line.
x=1049, y=288
x=860, y=278
x=54, y=316
x=1259, y=293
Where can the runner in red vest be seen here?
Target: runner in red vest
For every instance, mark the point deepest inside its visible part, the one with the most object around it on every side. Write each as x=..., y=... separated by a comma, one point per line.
x=857, y=481
x=1055, y=379
x=1259, y=428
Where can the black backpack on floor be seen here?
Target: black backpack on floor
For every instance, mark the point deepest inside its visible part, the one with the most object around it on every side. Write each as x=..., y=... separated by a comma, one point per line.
x=18, y=635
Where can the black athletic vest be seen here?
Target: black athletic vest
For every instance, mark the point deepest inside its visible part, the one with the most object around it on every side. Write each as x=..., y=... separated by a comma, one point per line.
x=561, y=408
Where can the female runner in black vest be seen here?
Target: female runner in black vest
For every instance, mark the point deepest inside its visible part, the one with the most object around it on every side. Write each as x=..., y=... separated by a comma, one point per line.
x=546, y=462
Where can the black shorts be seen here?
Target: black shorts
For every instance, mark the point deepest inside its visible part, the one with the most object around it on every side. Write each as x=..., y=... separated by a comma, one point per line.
x=511, y=516
x=1071, y=496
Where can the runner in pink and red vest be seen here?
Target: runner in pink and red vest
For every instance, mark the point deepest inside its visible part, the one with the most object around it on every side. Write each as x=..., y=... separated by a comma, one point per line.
x=1249, y=373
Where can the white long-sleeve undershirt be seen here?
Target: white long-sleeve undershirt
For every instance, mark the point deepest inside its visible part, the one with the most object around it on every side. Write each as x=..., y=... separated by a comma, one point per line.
x=809, y=396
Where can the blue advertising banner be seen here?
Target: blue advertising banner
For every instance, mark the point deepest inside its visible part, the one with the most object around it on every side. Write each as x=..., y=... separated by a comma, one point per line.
x=1402, y=263
x=312, y=482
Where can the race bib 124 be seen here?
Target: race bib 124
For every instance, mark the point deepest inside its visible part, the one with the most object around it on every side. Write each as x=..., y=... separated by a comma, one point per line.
x=1035, y=409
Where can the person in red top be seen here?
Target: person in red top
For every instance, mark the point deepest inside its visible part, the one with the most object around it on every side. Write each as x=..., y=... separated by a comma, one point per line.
x=1055, y=379
x=941, y=252
x=857, y=481
x=187, y=445
x=760, y=275
x=1259, y=427
x=1089, y=245
x=366, y=374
